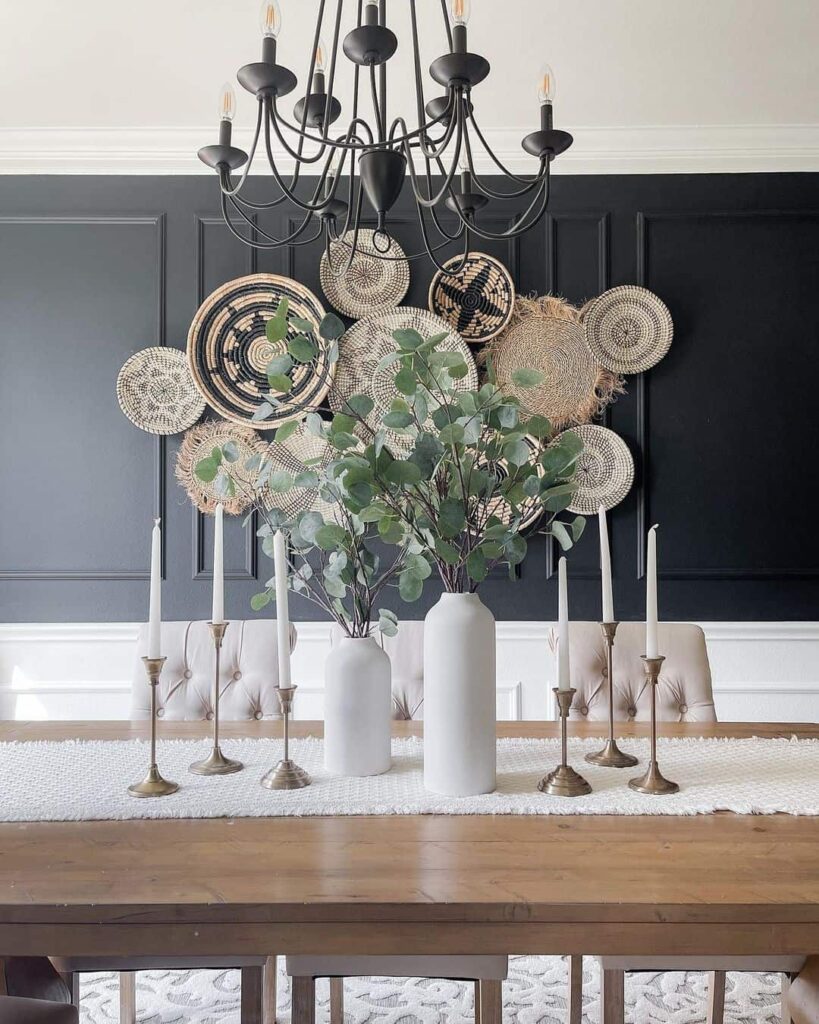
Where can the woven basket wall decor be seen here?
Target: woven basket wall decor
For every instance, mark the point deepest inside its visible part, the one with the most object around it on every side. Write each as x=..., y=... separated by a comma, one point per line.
x=198, y=443
x=605, y=470
x=628, y=329
x=291, y=456
x=372, y=284
x=228, y=350
x=156, y=392
x=478, y=301
x=530, y=510
x=545, y=334
x=367, y=342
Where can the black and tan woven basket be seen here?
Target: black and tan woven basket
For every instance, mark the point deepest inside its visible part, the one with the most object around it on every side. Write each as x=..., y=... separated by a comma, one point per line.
x=478, y=301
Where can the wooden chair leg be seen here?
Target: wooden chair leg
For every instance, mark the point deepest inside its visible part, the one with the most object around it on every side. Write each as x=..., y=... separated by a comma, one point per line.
x=612, y=997
x=127, y=997
x=785, y=1013
x=491, y=1001
x=336, y=1001
x=716, y=997
x=269, y=990
x=477, y=1002
x=303, y=1000
x=575, y=990
x=250, y=1011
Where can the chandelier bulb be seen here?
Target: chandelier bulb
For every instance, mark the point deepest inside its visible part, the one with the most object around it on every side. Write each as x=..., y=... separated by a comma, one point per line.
x=227, y=102
x=546, y=84
x=460, y=9
x=321, y=58
x=270, y=18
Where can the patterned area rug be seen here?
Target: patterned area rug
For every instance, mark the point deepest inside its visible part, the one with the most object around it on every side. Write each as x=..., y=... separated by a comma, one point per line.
x=534, y=994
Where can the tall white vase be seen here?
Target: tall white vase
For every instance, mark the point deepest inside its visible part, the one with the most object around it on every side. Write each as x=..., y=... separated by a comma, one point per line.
x=459, y=696
x=357, y=708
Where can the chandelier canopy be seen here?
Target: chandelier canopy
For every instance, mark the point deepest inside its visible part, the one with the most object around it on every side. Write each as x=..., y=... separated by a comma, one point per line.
x=437, y=151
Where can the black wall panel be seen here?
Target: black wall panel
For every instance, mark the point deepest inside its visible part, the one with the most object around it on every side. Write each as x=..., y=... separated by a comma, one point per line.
x=724, y=431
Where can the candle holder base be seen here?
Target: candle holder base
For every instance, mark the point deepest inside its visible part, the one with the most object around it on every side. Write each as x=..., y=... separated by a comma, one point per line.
x=611, y=756
x=286, y=775
x=653, y=782
x=216, y=764
x=153, y=785
x=564, y=781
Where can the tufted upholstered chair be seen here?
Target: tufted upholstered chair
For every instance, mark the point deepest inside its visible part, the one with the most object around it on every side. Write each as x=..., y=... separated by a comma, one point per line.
x=406, y=652
x=32, y=992
x=684, y=691
x=249, y=676
x=684, y=694
x=248, y=670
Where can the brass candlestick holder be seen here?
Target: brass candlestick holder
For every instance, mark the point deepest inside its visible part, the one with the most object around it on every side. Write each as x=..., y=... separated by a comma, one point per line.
x=216, y=763
x=564, y=780
x=286, y=774
x=611, y=756
x=653, y=781
x=153, y=784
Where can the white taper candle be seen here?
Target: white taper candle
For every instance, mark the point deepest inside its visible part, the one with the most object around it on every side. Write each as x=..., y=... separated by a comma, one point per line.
x=652, y=650
x=155, y=599
x=605, y=567
x=563, y=668
x=218, y=612
x=282, y=614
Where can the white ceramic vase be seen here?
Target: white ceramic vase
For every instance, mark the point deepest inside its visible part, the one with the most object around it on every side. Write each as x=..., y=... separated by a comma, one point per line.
x=357, y=708
x=459, y=696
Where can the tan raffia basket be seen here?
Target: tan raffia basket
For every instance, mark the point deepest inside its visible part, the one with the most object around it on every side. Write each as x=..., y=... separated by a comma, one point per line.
x=198, y=444
x=545, y=334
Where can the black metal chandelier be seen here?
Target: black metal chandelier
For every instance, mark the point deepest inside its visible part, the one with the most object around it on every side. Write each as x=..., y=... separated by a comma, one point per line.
x=376, y=156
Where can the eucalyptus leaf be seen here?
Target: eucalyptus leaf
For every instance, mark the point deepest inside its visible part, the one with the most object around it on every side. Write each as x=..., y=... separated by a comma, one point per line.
x=263, y=412
x=410, y=587
x=476, y=565
x=403, y=473
x=305, y=326
x=206, y=469
x=525, y=378
x=406, y=381
x=259, y=601
x=561, y=535
x=279, y=382
x=451, y=517
x=280, y=480
x=330, y=536
x=360, y=405
x=408, y=339
x=331, y=327
x=230, y=451
x=287, y=430
x=302, y=349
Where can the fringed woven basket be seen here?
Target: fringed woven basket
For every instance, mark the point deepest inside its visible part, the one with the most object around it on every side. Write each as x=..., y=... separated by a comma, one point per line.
x=545, y=334
x=198, y=444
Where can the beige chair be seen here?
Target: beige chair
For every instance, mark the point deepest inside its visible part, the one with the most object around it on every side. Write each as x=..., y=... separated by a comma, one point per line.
x=684, y=694
x=406, y=651
x=802, y=1001
x=249, y=677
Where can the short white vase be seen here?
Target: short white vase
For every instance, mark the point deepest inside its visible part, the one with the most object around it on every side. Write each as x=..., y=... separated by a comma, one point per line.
x=459, y=697
x=357, y=708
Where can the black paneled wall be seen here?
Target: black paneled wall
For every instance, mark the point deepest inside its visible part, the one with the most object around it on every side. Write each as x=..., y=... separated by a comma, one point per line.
x=724, y=431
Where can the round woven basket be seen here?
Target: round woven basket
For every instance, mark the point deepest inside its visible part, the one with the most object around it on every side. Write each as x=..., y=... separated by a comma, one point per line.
x=367, y=342
x=291, y=456
x=198, y=443
x=156, y=392
x=545, y=334
x=371, y=284
x=605, y=470
x=530, y=510
x=628, y=329
x=228, y=350
x=477, y=301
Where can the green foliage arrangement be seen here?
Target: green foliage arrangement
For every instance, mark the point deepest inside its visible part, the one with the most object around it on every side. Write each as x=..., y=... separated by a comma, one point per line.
x=475, y=476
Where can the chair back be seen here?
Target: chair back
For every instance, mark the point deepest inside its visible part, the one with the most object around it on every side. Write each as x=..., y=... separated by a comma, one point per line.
x=406, y=652
x=684, y=692
x=248, y=672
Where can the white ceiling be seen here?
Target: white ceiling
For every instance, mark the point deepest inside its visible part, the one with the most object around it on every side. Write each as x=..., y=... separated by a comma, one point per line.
x=634, y=67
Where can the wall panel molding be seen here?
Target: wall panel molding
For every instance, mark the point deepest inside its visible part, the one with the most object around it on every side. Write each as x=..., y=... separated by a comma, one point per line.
x=159, y=222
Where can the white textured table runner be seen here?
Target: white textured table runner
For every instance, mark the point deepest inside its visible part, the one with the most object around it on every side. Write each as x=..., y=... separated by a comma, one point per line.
x=87, y=780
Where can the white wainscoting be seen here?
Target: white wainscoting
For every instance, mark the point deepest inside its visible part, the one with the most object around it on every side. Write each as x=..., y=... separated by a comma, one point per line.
x=763, y=671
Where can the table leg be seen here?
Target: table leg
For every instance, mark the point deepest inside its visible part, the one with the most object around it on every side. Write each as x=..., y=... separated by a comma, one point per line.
x=269, y=990
x=716, y=997
x=336, y=1001
x=303, y=1000
x=127, y=997
x=477, y=1002
x=250, y=1011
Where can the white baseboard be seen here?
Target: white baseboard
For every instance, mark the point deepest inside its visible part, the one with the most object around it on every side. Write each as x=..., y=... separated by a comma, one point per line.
x=763, y=671
x=612, y=149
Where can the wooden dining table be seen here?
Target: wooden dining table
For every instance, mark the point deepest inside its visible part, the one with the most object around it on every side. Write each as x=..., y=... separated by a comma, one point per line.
x=706, y=884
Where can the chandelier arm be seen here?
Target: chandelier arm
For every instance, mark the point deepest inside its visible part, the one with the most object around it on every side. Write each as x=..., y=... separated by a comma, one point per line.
x=504, y=170
x=430, y=250
x=289, y=240
x=331, y=77
x=297, y=154
x=425, y=201
x=230, y=193
x=422, y=254
x=311, y=206
x=243, y=177
x=420, y=142
x=520, y=225
x=254, y=244
x=486, y=189
x=447, y=26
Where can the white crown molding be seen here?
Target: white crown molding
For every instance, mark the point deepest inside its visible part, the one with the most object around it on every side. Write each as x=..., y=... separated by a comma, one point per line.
x=650, y=149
